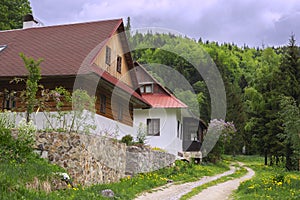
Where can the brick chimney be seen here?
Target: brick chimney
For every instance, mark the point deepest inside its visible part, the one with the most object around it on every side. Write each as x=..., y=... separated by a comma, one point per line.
x=29, y=21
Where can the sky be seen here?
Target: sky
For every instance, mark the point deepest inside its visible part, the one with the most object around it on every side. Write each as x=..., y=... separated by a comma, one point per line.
x=255, y=23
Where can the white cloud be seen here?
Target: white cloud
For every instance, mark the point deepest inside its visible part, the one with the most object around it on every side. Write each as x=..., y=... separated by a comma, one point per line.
x=247, y=21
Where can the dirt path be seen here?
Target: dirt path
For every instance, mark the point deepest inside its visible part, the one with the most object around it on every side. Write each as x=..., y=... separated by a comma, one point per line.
x=174, y=192
x=223, y=190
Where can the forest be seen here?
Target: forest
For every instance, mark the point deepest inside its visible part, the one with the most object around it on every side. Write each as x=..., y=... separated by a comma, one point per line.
x=262, y=88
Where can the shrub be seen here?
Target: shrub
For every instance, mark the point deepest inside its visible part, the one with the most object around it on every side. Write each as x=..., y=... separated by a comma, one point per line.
x=127, y=139
x=14, y=149
x=7, y=119
x=141, y=134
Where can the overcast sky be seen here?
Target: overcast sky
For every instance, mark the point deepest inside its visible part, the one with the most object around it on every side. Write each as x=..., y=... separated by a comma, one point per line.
x=254, y=22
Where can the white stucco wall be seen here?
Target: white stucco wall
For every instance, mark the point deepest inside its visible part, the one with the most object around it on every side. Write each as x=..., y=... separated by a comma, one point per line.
x=168, y=139
x=105, y=126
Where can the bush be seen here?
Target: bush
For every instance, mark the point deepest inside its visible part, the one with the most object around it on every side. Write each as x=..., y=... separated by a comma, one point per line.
x=20, y=147
x=127, y=139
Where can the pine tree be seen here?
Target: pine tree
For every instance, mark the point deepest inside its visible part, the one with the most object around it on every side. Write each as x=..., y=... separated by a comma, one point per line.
x=289, y=86
x=128, y=25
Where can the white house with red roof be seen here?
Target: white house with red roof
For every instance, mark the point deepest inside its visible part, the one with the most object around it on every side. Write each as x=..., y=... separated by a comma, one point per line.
x=168, y=123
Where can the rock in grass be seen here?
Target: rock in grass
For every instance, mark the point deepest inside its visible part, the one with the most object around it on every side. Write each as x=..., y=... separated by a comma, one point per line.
x=107, y=193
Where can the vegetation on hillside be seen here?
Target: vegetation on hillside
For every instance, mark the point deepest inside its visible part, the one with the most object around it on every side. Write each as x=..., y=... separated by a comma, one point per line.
x=257, y=82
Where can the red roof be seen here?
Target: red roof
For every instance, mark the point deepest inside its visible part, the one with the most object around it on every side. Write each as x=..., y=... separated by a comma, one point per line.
x=62, y=47
x=67, y=50
x=163, y=101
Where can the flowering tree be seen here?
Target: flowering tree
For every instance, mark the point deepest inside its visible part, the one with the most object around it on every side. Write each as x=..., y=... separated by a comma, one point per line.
x=225, y=131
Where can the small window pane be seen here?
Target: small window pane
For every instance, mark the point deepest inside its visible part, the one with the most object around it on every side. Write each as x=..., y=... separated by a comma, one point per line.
x=108, y=55
x=2, y=47
x=142, y=89
x=148, y=89
x=119, y=64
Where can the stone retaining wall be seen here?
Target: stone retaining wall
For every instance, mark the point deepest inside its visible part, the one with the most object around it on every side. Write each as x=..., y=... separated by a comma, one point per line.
x=92, y=159
x=89, y=159
x=143, y=159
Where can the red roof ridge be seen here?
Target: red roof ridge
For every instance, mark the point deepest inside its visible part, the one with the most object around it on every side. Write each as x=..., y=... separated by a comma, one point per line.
x=61, y=25
x=158, y=83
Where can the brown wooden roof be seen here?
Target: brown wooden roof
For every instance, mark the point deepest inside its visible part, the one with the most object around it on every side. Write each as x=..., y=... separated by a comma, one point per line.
x=62, y=47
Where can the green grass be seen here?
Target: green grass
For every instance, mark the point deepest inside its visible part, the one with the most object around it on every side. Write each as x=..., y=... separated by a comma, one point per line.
x=237, y=174
x=25, y=176
x=269, y=182
x=129, y=188
x=14, y=176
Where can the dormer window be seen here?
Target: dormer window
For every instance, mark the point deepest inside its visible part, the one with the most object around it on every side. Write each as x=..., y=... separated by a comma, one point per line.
x=108, y=55
x=147, y=88
x=2, y=47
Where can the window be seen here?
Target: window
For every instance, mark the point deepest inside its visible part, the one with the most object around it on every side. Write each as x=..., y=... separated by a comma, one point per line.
x=178, y=129
x=146, y=88
x=103, y=104
x=2, y=47
x=153, y=127
x=9, y=101
x=108, y=55
x=119, y=64
x=120, y=112
x=142, y=89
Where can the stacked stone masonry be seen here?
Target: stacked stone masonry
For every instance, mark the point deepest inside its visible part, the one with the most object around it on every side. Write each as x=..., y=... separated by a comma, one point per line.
x=91, y=159
x=143, y=159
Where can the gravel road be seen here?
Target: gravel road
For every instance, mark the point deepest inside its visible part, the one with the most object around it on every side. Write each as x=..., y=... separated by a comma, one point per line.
x=219, y=191
x=173, y=192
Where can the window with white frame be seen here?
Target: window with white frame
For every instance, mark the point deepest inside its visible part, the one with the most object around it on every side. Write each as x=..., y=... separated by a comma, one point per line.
x=153, y=127
x=148, y=88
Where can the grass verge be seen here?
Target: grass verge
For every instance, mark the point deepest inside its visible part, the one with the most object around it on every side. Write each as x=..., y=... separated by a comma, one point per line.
x=269, y=182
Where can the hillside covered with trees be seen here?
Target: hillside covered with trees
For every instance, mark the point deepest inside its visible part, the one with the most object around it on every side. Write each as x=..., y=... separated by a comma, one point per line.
x=262, y=88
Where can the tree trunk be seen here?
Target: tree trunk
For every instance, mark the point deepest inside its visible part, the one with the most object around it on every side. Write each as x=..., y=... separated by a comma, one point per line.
x=288, y=161
x=266, y=157
x=277, y=159
x=271, y=160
